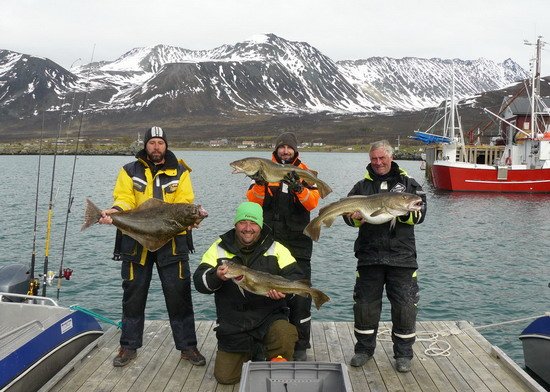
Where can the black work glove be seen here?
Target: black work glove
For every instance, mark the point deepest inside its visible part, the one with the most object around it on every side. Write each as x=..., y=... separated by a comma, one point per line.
x=293, y=181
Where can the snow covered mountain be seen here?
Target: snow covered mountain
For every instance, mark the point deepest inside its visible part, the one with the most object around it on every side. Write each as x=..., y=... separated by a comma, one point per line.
x=264, y=75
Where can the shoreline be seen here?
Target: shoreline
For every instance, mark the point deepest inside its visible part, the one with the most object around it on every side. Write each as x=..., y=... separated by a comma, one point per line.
x=407, y=153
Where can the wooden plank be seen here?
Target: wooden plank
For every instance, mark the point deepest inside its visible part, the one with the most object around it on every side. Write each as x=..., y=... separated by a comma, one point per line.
x=434, y=372
x=169, y=365
x=407, y=380
x=69, y=371
x=200, y=374
x=357, y=376
x=473, y=363
x=158, y=358
x=107, y=376
x=99, y=366
x=515, y=369
x=319, y=343
x=478, y=343
x=446, y=365
x=184, y=368
x=462, y=366
x=334, y=345
x=139, y=367
x=475, y=358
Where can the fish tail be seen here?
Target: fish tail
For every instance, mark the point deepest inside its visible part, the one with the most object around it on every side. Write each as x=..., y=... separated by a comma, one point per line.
x=319, y=298
x=313, y=229
x=324, y=189
x=91, y=215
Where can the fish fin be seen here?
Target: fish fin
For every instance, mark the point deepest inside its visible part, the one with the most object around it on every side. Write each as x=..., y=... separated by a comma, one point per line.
x=329, y=221
x=313, y=229
x=91, y=215
x=379, y=211
x=324, y=188
x=393, y=222
x=149, y=242
x=319, y=298
x=307, y=282
x=150, y=203
x=240, y=289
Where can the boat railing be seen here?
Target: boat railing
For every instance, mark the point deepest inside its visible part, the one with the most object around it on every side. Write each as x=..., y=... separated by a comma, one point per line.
x=34, y=299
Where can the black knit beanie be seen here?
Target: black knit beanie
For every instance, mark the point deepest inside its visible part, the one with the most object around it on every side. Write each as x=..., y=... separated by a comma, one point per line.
x=155, y=132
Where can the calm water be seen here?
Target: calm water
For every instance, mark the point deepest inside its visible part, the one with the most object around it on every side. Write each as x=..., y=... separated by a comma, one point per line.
x=483, y=258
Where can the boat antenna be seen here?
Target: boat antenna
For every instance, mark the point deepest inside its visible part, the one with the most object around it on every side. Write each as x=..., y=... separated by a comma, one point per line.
x=33, y=283
x=66, y=273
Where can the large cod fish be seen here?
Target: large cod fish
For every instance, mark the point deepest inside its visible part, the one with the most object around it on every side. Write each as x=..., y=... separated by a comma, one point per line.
x=275, y=172
x=259, y=282
x=375, y=209
x=153, y=223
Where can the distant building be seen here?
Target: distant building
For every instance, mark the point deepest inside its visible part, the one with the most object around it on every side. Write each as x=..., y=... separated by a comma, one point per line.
x=218, y=143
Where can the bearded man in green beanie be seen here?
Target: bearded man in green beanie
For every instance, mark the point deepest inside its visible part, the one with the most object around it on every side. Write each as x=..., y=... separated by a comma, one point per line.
x=245, y=320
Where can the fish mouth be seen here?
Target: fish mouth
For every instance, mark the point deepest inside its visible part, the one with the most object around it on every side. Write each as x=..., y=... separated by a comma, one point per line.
x=202, y=212
x=416, y=206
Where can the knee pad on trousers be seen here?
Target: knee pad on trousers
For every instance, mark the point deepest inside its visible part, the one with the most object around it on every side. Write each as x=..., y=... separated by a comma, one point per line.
x=366, y=315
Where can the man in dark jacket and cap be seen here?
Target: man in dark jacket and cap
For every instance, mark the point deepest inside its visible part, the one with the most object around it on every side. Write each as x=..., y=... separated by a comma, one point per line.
x=156, y=173
x=386, y=257
x=287, y=205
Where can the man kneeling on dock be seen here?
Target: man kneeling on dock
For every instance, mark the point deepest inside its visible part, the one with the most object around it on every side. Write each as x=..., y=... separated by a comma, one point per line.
x=250, y=326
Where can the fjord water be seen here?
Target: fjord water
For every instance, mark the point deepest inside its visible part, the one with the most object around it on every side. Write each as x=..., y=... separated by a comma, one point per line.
x=483, y=257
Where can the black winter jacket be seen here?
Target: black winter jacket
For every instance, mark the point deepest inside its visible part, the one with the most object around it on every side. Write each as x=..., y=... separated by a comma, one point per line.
x=380, y=244
x=244, y=317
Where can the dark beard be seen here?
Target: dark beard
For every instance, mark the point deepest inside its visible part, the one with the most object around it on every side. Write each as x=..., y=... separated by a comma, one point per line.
x=157, y=158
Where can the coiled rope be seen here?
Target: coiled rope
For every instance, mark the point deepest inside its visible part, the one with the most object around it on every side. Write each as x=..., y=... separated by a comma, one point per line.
x=441, y=348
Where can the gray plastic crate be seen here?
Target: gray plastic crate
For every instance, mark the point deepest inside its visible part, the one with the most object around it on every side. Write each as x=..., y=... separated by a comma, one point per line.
x=295, y=376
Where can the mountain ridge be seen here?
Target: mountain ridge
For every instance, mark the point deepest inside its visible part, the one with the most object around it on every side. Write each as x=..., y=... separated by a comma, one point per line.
x=266, y=76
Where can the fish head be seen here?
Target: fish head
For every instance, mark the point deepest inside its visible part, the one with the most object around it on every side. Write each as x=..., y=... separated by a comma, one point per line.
x=234, y=271
x=413, y=202
x=202, y=212
x=402, y=203
x=249, y=166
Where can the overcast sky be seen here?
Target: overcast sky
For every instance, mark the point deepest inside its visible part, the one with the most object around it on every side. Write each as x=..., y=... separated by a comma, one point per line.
x=66, y=30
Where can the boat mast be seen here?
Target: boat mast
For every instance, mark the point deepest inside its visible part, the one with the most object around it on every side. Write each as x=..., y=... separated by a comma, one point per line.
x=453, y=104
x=535, y=87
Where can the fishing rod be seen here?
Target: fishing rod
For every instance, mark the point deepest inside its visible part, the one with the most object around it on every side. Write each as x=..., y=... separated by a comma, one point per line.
x=34, y=283
x=48, y=276
x=67, y=272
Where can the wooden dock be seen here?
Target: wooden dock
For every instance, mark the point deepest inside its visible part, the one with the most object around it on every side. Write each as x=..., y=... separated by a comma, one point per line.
x=472, y=364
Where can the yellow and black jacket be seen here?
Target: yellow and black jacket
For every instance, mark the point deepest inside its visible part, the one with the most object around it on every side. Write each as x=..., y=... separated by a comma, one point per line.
x=141, y=180
x=244, y=317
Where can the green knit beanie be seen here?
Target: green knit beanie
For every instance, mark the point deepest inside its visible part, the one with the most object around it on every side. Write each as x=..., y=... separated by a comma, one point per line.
x=250, y=211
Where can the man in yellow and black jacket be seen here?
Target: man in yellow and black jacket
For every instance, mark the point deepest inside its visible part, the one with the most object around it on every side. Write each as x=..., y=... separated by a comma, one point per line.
x=156, y=173
x=246, y=320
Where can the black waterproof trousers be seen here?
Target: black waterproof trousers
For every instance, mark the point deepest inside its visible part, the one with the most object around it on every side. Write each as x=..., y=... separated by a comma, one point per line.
x=176, y=285
x=402, y=292
x=300, y=310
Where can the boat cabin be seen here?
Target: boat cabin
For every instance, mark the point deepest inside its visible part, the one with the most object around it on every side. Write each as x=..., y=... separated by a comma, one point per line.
x=518, y=113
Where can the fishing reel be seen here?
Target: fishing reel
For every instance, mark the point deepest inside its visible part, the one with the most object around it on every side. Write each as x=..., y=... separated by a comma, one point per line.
x=50, y=276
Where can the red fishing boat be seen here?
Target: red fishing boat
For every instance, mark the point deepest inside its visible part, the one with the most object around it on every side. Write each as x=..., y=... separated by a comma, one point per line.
x=520, y=160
